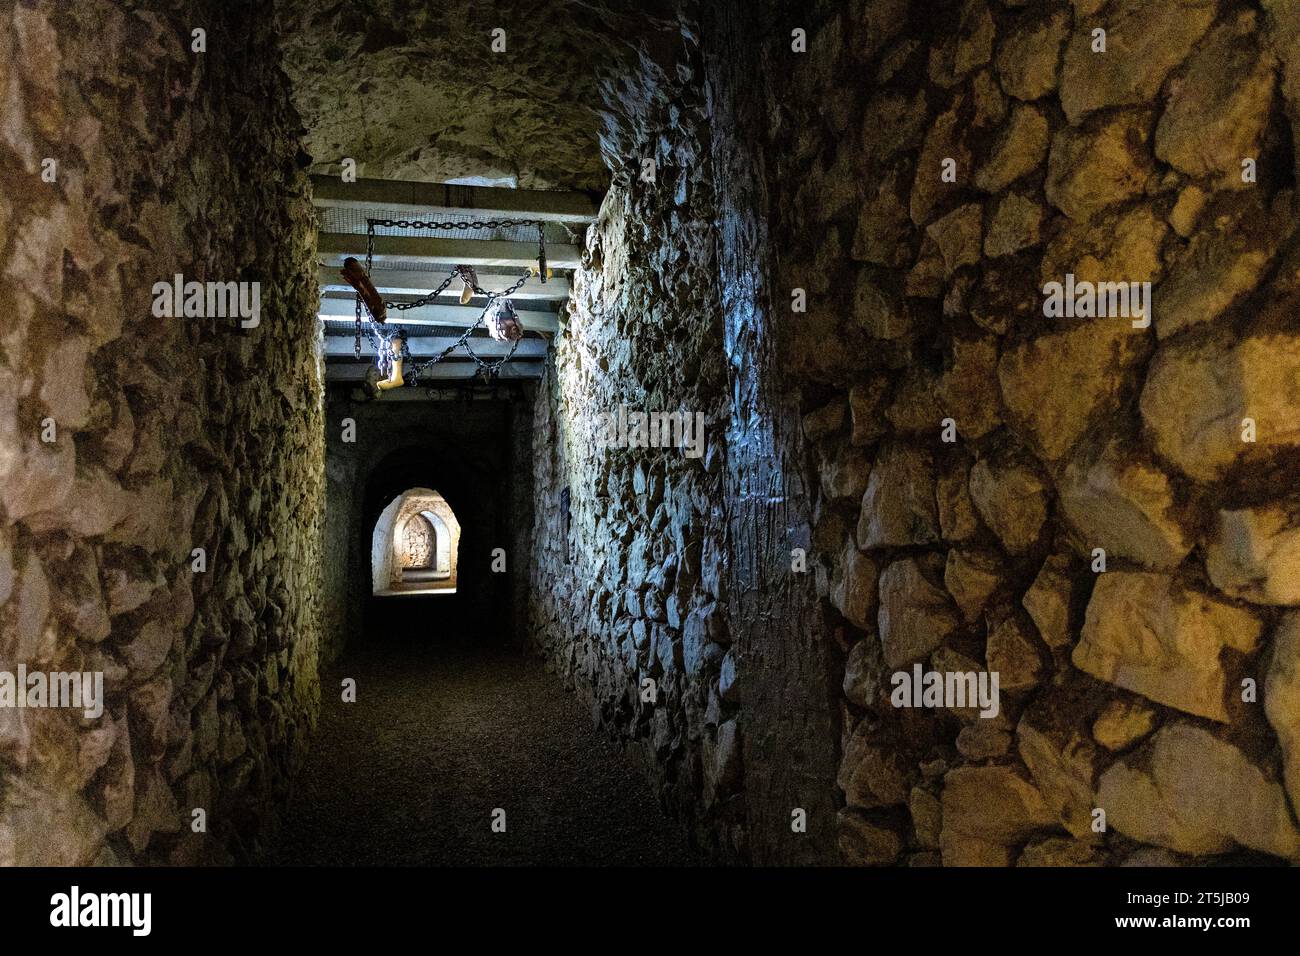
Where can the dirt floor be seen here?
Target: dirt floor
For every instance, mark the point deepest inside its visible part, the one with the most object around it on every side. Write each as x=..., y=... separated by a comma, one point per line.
x=442, y=734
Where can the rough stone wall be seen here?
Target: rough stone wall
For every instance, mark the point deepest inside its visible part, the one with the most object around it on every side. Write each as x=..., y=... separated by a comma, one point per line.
x=169, y=433
x=1121, y=690
x=635, y=593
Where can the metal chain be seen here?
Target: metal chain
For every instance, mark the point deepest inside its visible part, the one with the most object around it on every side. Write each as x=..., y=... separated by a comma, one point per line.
x=422, y=300
x=374, y=334
x=462, y=340
x=434, y=224
x=489, y=369
x=356, y=349
x=492, y=368
x=541, y=253
x=504, y=293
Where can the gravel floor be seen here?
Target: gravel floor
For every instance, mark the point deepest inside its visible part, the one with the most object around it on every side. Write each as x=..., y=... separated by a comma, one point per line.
x=439, y=736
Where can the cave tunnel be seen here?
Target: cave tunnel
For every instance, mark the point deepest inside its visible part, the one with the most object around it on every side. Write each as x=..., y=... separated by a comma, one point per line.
x=468, y=483
x=675, y=433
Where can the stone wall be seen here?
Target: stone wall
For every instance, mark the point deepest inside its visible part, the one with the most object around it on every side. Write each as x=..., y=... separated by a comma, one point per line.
x=635, y=592
x=127, y=440
x=973, y=458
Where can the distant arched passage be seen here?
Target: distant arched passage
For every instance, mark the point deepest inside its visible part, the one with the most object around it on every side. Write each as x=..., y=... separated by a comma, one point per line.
x=414, y=546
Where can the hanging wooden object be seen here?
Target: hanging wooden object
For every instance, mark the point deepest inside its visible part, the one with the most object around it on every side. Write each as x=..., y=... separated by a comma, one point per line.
x=354, y=274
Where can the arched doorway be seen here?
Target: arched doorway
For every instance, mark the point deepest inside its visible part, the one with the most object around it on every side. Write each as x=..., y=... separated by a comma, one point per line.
x=414, y=547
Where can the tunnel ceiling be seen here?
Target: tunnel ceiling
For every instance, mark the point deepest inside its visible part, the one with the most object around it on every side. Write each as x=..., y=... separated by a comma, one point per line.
x=412, y=90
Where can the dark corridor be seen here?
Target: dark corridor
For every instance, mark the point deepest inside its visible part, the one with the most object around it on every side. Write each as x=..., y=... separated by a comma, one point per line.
x=451, y=720
x=469, y=445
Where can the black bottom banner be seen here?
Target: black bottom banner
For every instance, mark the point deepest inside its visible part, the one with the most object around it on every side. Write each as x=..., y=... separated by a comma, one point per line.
x=335, y=905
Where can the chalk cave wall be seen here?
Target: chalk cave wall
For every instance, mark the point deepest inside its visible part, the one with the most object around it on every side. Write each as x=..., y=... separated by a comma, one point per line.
x=1121, y=691
x=636, y=590
x=171, y=434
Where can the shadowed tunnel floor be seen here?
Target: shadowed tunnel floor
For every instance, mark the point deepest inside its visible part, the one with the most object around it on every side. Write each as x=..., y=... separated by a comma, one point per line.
x=441, y=734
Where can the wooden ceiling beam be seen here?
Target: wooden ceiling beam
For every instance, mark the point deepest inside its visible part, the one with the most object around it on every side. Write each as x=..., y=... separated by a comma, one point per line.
x=413, y=282
x=432, y=199
x=453, y=251
x=442, y=372
x=341, y=346
x=454, y=316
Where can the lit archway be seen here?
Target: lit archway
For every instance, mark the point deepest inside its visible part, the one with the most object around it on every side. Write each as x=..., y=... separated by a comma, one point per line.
x=414, y=546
